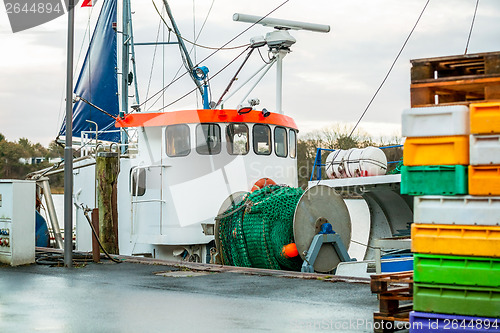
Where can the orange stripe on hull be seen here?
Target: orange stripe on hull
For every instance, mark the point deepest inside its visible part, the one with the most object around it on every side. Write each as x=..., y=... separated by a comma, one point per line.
x=203, y=116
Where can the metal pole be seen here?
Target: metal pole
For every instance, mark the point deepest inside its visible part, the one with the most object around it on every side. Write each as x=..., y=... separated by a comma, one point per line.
x=182, y=46
x=125, y=69
x=248, y=80
x=52, y=212
x=279, y=81
x=68, y=149
x=256, y=82
x=132, y=50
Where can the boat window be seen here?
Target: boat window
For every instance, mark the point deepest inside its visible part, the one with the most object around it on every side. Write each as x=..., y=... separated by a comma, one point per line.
x=208, y=139
x=138, y=183
x=280, y=142
x=178, y=140
x=237, y=139
x=261, y=139
x=293, y=144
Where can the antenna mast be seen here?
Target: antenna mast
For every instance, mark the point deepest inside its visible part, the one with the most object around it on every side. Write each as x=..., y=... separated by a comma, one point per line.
x=279, y=42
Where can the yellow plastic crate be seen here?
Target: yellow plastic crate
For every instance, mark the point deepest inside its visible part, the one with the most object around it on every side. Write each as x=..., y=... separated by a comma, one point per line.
x=485, y=118
x=484, y=180
x=477, y=241
x=439, y=150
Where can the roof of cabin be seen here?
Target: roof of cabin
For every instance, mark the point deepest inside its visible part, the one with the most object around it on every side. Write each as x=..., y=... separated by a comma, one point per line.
x=202, y=116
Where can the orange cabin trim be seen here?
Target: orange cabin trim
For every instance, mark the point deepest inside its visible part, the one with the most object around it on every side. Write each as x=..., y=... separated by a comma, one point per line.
x=202, y=116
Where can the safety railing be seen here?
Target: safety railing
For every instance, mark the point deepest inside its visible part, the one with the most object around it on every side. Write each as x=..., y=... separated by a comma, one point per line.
x=90, y=142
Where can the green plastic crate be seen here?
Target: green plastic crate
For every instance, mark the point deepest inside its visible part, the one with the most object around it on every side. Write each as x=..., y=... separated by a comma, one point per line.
x=459, y=300
x=457, y=270
x=434, y=180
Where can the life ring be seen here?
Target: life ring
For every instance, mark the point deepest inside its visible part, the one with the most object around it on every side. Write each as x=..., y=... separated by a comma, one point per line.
x=261, y=183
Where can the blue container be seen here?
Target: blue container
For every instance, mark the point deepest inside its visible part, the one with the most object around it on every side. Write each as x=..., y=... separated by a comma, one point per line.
x=424, y=322
x=401, y=264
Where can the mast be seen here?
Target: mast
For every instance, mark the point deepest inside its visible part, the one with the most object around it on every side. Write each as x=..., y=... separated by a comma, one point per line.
x=126, y=37
x=184, y=50
x=280, y=54
x=132, y=52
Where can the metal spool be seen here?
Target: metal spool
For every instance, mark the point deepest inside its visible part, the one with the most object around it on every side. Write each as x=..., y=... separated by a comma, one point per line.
x=232, y=199
x=318, y=205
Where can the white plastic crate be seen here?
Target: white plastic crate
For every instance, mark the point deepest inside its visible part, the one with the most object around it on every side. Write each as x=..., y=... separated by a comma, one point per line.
x=436, y=121
x=460, y=210
x=484, y=149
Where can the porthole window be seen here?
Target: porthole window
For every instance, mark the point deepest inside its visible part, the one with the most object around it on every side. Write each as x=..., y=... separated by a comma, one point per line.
x=208, y=139
x=237, y=139
x=280, y=142
x=261, y=139
x=138, y=182
x=293, y=144
x=178, y=142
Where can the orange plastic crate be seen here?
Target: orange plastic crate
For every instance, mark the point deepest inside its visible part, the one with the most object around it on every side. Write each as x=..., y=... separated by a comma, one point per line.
x=461, y=240
x=485, y=118
x=438, y=150
x=484, y=180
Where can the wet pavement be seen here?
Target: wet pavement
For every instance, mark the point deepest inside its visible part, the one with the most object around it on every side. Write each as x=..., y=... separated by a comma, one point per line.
x=130, y=297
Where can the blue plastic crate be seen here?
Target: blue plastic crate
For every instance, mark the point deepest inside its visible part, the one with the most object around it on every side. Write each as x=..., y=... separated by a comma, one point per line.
x=424, y=322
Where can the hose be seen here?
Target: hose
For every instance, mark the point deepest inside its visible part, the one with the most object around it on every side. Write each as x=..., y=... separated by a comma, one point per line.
x=86, y=211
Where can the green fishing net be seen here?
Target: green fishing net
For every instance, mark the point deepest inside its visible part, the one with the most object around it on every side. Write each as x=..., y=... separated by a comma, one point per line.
x=252, y=232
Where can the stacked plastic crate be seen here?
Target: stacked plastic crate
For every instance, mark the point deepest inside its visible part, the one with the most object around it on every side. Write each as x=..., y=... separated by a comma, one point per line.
x=455, y=236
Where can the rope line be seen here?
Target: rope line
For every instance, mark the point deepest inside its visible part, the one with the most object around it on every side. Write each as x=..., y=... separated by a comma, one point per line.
x=208, y=80
x=471, y=26
x=217, y=50
x=194, y=43
x=390, y=69
x=154, y=58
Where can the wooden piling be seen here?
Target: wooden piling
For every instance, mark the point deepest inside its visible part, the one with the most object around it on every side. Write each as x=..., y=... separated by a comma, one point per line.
x=96, y=251
x=107, y=168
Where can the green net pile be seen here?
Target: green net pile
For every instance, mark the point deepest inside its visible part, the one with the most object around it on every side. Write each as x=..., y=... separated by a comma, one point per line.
x=252, y=233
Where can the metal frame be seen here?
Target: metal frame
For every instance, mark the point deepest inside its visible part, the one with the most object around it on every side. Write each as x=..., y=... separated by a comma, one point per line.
x=317, y=242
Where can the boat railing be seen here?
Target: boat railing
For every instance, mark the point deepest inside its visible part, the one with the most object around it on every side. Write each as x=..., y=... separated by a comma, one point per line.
x=90, y=143
x=318, y=165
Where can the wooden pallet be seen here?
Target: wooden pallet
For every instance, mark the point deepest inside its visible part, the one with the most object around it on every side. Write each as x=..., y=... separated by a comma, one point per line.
x=392, y=289
x=455, y=79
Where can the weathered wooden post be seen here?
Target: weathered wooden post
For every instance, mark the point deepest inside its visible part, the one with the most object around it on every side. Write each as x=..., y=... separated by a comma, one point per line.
x=96, y=251
x=107, y=168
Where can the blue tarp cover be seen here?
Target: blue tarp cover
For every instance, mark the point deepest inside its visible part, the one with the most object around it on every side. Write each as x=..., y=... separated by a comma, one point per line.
x=97, y=82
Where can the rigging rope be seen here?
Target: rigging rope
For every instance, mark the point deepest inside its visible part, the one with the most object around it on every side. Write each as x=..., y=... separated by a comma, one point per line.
x=390, y=69
x=471, y=26
x=154, y=58
x=222, y=47
x=208, y=80
x=192, y=47
x=194, y=43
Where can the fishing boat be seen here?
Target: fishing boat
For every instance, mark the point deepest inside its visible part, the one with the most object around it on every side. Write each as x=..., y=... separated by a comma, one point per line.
x=176, y=168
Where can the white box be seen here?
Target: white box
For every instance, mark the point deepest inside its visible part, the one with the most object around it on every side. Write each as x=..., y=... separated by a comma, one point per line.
x=436, y=121
x=460, y=210
x=17, y=222
x=484, y=149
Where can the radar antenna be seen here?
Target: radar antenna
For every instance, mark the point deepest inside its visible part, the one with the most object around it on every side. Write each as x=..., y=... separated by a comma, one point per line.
x=279, y=42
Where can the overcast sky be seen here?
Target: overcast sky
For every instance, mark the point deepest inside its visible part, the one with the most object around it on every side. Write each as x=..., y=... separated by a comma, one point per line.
x=328, y=78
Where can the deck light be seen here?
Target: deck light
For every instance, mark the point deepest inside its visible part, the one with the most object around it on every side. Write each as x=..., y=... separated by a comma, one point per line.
x=200, y=73
x=265, y=113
